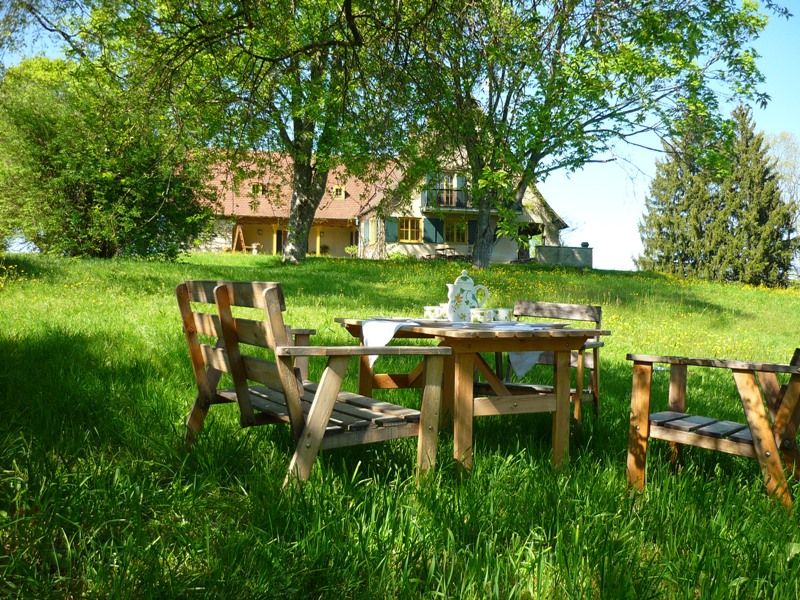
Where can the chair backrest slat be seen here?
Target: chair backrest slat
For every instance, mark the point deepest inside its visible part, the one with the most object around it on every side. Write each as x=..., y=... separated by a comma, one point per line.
x=206, y=379
x=215, y=357
x=207, y=324
x=254, y=333
x=263, y=371
x=244, y=293
x=556, y=310
x=277, y=327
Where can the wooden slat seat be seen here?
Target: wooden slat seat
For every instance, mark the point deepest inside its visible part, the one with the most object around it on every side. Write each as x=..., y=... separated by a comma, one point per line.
x=772, y=415
x=721, y=429
x=273, y=404
x=705, y=426
x=689, y=423
x=269, y=391
x=743, y=437
x=665, y=417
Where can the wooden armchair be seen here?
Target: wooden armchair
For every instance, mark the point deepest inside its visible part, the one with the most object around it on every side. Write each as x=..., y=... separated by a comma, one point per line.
x=769, y=431
x=587, y=359
x=320, y=415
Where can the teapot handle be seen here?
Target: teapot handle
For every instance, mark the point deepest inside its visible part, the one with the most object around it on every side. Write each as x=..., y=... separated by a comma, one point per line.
x=485, y=294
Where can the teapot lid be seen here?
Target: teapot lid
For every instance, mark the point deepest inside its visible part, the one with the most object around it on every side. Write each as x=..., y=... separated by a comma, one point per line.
x=464, y=278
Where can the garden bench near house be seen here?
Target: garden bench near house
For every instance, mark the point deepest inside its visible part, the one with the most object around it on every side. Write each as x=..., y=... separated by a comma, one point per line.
x=270, y=390
x=771, y=411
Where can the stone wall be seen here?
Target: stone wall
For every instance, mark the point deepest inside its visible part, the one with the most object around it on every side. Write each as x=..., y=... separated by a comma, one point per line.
x=568, y=256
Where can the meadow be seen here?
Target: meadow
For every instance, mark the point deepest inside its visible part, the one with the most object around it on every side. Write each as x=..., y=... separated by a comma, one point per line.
x=99, y=497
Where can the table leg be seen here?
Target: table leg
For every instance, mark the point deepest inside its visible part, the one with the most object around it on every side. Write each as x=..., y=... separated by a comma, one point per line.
x=561, y=416
x=448, y=386
x=463, y=410
x=364, y=376
x=639, y=430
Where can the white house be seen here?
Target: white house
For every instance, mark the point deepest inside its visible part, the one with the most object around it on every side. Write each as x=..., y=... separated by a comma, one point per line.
x=441, y=221
x=438, y=221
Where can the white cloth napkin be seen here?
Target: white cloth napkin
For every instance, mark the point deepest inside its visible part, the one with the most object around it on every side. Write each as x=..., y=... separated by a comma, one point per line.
x=522, y=362
x=380, y=333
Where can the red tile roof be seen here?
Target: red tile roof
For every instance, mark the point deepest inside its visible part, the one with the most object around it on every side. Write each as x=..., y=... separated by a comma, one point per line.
x=265, y=191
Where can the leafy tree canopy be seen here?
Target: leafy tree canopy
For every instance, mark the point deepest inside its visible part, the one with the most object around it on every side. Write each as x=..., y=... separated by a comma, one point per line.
x=89, y=169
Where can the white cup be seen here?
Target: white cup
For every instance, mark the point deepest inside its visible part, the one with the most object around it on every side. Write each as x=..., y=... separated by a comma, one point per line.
x=481, y=315
x=503, y=314
x=433, y=312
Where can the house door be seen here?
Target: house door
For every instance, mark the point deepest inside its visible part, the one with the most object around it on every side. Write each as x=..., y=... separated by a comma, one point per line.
x=279, y=241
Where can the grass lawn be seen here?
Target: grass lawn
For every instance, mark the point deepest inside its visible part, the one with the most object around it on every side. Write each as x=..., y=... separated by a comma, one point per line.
x=100, y=498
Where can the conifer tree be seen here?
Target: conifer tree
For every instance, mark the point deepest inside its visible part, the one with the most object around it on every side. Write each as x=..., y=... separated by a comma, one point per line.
x=715, y=209
x=762, y=241
x=678, y=207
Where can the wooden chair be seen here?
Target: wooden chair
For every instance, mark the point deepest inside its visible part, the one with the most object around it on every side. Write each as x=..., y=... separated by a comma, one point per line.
x=321, y=415
x=587, y=359
x=768, y=433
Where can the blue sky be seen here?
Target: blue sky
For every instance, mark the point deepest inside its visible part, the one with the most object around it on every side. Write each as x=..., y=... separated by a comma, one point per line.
x=604, y=202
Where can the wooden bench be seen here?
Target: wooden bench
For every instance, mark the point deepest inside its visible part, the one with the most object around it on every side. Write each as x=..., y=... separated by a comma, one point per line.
x=270, y=390
x=771, y=411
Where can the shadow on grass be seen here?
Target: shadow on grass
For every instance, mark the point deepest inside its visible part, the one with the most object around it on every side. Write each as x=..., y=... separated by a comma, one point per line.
x=62, y=388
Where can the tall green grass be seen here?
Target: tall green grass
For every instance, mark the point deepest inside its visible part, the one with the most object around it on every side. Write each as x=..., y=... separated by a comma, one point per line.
x=99, y=497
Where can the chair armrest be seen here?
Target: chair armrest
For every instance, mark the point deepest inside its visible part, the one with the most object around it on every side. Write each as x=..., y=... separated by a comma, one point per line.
x=362, y=350
x=716, y=363
x=301, y=331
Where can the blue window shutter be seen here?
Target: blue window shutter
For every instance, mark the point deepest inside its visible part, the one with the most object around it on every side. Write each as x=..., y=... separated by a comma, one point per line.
x=461, y=196
x=428, y=197
x=391, y=229
x=433, y=231
x=472, y=230
x=365, y=231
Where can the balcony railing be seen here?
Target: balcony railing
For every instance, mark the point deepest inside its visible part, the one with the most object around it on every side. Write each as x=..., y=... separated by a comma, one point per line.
x=445, y=199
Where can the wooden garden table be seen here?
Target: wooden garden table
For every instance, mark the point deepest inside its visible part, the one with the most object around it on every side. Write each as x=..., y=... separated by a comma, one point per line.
x=467, y=341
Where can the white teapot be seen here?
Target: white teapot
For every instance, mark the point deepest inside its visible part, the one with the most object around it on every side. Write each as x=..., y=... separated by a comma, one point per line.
x=463, y=295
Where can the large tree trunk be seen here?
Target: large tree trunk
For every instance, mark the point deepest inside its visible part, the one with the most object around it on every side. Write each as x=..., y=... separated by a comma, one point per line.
x=308, y=186
x=484, y=240
x=485, y=227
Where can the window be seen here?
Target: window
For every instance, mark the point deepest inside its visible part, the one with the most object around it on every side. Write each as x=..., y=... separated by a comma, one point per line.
x=446, y=190
x=455, y=232
x=410, y=230
x=449, y=189
x=258, y=189
x=338, y=192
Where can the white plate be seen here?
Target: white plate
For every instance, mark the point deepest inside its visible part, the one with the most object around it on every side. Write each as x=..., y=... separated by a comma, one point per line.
x=511, y=325
x=412, y=319
x=469, y=325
